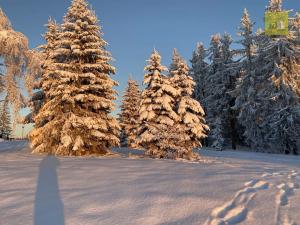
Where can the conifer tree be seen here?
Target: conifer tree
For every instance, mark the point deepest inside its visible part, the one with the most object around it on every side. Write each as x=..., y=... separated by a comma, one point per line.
x=214, y=55
x=157, y=115
x=38, y=97
x=176, y=58
x=5, y=122
x=129, y=117
x=245, y=80
x=199, y=71
x=191, y=128
x=220, y=81
x=248, y=39
x=274, y=6
x=78, y=89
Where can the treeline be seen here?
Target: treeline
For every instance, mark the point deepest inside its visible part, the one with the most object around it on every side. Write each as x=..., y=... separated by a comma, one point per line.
x=251, y=95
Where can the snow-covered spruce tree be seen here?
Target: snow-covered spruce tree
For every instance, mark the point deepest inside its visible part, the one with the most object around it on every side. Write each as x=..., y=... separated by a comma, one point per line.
x=175, y=59
x=274, y=6
x=129, y=116
x=5, y=122
x=191, y=128
x=245, y=80
x=157, y=116
x=217, y=133
x=272, y=111
x=43, y=57
x=218, y=84
x=247, y=41
x=79, y=91
x=199, y=71
x=209, y=102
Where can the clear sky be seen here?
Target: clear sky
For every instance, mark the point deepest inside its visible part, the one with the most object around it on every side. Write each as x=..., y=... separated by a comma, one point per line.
x=134, y=27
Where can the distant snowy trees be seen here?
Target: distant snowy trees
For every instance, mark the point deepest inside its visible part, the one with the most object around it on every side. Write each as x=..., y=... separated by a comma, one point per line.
x=199, y=70
x=5, y=120
x=129, y=116
x=251, y=95
x=75, y=117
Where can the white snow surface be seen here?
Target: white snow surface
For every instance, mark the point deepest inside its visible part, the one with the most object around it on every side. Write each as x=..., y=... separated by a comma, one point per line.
x=223, y=188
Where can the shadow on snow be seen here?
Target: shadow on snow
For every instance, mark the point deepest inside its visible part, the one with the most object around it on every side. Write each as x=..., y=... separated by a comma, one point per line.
x=49, y=208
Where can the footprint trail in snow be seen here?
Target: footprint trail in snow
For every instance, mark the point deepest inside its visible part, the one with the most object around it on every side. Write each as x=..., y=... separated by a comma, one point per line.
x=285, y=191
x=285, y=184
x=235, y=211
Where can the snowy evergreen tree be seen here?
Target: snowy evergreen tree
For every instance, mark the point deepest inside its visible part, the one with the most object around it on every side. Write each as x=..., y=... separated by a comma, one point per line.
x=248, y=39
x=129, y=116
x=245, y=78
x=199, y=71
x=176, y=58
x=5, y=122
x=157, y=115
x=217, y=132
x=274, y=6
x=209, y=101
x=218, y=84
x=75, y=118
x=36, y=91
x=191, y=129
x=271, y=114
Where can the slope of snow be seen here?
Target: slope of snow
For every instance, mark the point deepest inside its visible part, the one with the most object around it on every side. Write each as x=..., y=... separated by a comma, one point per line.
x=225, y=188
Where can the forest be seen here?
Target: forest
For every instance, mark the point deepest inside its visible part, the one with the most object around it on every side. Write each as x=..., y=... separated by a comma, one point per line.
x=223, y=97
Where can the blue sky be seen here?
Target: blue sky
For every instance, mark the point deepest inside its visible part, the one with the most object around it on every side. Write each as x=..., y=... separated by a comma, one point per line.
x=134, y=27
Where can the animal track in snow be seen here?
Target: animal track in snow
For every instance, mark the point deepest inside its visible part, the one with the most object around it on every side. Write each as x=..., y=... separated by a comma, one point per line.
x=235, y=211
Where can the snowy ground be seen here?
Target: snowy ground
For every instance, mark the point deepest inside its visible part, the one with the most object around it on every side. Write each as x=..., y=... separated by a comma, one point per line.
x=233, y=187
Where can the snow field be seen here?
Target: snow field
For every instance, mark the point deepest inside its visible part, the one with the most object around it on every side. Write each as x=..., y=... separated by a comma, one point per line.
x=224, y=188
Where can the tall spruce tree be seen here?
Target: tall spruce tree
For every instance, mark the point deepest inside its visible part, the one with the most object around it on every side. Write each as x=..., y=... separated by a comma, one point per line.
x=245, y=80
x=191, y=128
x=78, y=89
x=199, y=71
x=210, y=101
x=157, y=115
x=175, y=59
x=218, y=84
x=38, y=97
x=5, y=122
x=129, y=116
